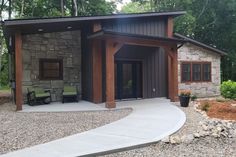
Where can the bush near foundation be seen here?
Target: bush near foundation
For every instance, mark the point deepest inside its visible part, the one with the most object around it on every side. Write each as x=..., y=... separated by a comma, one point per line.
x=228, y=89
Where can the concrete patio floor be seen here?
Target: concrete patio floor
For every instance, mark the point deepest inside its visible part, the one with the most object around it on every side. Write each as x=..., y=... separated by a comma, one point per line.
x=64, y=107
x=150, y=121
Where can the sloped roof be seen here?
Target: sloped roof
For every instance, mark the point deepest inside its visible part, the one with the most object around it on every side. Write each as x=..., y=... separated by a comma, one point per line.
x=197, y=43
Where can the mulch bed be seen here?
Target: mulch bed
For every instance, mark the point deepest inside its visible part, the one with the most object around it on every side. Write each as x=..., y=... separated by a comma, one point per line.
x=225, y=110
x=4, y=98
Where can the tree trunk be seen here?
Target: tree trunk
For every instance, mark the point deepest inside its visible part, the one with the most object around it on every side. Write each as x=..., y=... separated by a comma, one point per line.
x=62, y=8
x=74, y=8
x=22, y=8
x=9, y=9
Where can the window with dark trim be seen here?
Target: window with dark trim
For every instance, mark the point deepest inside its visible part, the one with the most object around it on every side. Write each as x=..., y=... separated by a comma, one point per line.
x=206, y=72
x=186, y=72
x=195, y=72
x=51, y=69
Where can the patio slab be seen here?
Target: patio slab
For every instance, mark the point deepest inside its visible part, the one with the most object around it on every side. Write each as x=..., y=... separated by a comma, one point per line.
x=64, y=107
x=150, y=121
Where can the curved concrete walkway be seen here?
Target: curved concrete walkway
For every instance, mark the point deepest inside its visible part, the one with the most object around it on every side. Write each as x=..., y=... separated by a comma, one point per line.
x=150, y=121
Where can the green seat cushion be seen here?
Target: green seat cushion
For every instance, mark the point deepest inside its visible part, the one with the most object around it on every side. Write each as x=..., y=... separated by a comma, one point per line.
x=69, y=93
x=69, y=89
x=40, y=95
x=36, y=90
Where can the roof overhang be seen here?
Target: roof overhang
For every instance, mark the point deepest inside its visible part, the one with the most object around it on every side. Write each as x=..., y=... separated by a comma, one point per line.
x=137, y=39
x=37, y=25
x=197, y=43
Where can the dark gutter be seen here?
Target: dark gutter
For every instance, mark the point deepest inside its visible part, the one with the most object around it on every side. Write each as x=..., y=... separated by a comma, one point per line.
x=195, y=42
x=89, y=18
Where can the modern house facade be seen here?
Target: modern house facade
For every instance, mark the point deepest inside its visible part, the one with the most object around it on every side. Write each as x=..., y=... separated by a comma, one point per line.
x=109, y=58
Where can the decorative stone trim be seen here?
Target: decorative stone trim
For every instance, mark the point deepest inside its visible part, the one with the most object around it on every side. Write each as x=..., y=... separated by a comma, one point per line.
x=208, y=127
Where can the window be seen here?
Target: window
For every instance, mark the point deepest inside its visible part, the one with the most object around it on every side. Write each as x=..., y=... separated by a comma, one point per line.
x=195, y=71
x=206, y=72
x=51, y=69
x=186, y=72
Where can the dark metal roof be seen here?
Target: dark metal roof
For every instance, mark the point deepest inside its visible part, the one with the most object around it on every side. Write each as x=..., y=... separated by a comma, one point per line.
x=195, y=42
x=102, y=33
x=89, y=18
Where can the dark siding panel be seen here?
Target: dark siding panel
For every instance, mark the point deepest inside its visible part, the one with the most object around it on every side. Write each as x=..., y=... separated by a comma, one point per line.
x=147, y=26
x=86, y=68
x=154, y=68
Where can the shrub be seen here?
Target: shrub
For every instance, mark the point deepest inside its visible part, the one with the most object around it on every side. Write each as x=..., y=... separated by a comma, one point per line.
x=228, y=89
x=205, y=106
x=221, y=100
x=193, y=97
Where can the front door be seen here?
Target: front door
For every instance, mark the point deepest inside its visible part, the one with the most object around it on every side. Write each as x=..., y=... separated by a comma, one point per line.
x=128, y=79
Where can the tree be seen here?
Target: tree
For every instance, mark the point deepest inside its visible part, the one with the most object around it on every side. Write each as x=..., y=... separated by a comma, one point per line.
x=209, y=21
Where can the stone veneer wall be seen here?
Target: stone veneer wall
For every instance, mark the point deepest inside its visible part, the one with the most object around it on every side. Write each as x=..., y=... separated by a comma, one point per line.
x=59, y=45
x=190, y=52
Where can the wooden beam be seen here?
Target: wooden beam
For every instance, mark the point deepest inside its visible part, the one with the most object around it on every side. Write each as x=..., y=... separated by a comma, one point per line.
x=97, y=71
x=140, y=42
x=19, y=71
x=97, y=26
x=170, y=27
x=111, y=49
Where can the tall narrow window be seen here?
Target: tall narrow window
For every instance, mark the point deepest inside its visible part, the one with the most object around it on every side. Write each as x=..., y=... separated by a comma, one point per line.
x=186, y=72
x=196, y=72
x=206, y=72
x=51, y=69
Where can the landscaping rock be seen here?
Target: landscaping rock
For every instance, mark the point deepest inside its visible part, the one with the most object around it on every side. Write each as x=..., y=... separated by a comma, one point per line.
x=175, y=140
x=166, y=139
x=188, y=138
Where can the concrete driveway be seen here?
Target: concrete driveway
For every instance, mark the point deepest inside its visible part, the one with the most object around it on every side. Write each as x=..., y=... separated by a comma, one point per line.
x=150, y=121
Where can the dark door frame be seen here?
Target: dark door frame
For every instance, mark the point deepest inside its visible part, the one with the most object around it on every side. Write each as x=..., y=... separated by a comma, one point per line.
x=119, y=63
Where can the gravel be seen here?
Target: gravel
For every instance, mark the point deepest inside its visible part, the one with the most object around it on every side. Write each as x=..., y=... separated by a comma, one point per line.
x=200, y=147
x=206, y=147
x=19, y=130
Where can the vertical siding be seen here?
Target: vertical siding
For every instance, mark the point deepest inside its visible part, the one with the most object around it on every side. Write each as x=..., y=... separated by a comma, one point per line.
x=86, y=67
x=154, y=68
x=147, y=26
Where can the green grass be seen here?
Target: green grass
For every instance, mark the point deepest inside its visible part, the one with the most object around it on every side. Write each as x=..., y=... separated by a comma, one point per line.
x=5, y=89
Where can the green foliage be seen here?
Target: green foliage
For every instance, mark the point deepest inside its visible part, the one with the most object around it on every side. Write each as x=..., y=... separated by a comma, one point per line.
x=135, y=7
x=212, y=22
x=50, y=8
x=193, y=97
x=228, y=89
x=4, y=70
x=220, y=100
x=205, y=106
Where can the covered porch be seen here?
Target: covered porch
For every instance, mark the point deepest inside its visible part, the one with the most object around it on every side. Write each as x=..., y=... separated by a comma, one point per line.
x=104, y=87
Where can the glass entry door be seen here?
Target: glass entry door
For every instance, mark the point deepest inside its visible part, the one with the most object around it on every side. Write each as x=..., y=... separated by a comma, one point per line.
x=128, y=79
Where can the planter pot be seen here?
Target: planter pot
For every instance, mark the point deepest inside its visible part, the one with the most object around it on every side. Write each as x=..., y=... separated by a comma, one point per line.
x=184, y=100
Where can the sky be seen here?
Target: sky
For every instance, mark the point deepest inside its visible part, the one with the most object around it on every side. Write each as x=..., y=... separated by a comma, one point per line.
x=119, y=5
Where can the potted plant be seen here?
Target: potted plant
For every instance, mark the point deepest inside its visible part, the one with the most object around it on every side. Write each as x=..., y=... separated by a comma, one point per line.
x=184, y=97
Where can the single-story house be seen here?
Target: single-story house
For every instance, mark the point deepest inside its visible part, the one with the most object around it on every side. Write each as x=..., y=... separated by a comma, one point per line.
x=109, y=58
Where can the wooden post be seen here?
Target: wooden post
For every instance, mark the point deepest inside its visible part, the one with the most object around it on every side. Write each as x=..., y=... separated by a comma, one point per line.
x=111, y=49
x=172, y=63
x=97, y=71
x=18, y=69
x=172, y=60
x=175, y=73
x=170, y=27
